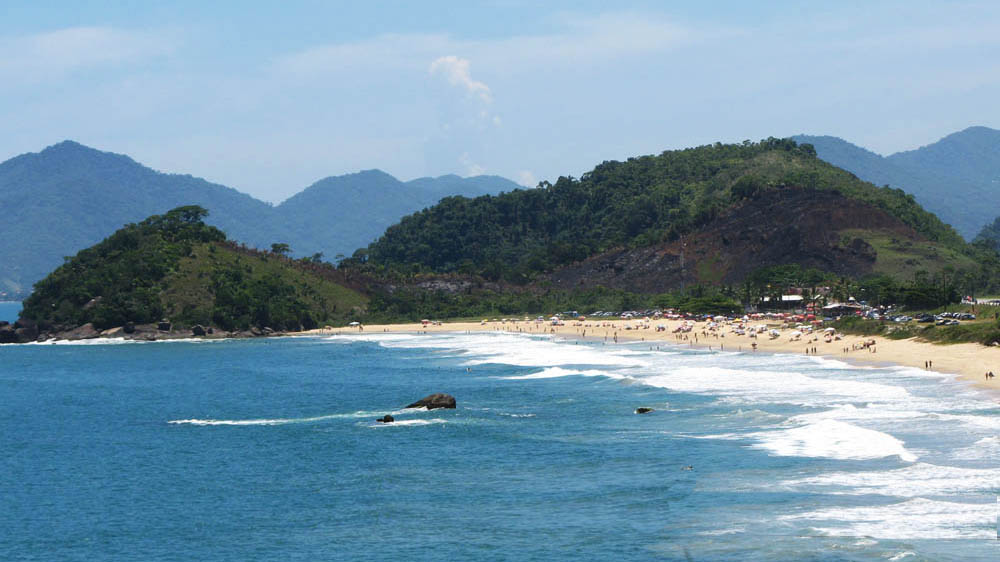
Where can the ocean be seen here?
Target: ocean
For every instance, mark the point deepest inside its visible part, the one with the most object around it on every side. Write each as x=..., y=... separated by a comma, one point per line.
x=9, y=310
x=268, y=449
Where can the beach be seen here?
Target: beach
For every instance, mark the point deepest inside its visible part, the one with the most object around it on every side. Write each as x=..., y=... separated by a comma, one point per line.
x=968, y=361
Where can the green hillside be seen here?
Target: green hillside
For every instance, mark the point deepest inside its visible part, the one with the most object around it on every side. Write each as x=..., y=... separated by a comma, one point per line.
x=175, y=266
x=640, y=202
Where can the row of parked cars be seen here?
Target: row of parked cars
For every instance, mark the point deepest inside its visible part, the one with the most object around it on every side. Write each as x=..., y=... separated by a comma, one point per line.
x=943, y=319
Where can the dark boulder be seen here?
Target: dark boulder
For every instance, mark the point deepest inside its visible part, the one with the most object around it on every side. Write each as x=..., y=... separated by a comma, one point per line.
x=433, y=401
x=163, y=326
x=129, y=328
x=643, y=410
x=198, y=330
x=210, y=330
x=4, y=323
x=385, y=419
x=8, y=335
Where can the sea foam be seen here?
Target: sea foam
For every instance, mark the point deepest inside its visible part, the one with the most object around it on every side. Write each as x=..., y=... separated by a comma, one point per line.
x=918, y=518
x=832, y=439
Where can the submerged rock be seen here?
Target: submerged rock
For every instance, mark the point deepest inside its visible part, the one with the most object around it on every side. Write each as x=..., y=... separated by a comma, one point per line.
x=643, y=410
x=438, y=400
x=385, y=419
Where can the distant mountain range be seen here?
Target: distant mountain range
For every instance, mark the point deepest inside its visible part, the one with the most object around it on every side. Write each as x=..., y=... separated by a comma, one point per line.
x=69, y=196
x=957, y=177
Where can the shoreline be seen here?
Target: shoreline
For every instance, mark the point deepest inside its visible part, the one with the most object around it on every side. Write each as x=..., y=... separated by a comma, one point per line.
x=965, y=361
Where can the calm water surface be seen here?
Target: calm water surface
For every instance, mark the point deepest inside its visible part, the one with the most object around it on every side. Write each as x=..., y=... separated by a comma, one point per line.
x=9, y=310
x=268, y=450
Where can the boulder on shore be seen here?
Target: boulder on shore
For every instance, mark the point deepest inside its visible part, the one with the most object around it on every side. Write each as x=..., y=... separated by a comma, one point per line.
x=438, y=400
x=163, y=326
x=7, y=334
x=85, y=332
x=197, y=330
x=643, y=410
x=129, y=328
x=385, y=419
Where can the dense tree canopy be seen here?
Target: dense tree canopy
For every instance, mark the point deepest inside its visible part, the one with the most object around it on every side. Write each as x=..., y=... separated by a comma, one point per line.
x=641, y=201
x=176, y=266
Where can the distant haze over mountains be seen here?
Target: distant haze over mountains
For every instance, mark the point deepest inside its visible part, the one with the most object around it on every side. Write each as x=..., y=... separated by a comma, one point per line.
x=957, y=177
x=69, y=196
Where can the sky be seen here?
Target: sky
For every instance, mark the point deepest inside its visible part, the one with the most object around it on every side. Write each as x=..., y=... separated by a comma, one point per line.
x=269, y=97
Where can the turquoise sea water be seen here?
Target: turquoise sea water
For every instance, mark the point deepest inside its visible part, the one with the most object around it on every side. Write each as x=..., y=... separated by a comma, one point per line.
x=268, y=450
x=9, y=310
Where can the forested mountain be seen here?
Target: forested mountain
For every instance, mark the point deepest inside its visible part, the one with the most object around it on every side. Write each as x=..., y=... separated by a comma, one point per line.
x=343, y=213
x=175, y=266
x=660, y=203
x=990, y=235
x=68, y=196
x=957, y=177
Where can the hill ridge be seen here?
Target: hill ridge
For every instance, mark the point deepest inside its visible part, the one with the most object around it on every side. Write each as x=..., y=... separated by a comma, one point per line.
x=89, y=193
x=956, y=177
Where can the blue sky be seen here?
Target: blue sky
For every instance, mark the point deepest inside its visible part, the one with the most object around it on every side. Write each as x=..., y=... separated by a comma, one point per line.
x=270, y=97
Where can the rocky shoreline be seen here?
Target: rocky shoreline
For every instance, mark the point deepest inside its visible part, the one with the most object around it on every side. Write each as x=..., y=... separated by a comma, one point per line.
x=27, y=332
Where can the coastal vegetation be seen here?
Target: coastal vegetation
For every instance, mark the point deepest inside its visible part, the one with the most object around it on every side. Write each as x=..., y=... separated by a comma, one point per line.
x=519, y=236
x=174, y=266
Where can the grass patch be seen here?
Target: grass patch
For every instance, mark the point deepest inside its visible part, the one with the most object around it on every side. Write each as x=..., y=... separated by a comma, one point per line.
x=901, y=258
x=984, y=332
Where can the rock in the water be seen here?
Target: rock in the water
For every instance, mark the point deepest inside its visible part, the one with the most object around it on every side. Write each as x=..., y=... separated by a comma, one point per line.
x=643, y=410
x=385, y=419
x=163, y=326
x=438, y=400
x=85, y=332
x=197, y=330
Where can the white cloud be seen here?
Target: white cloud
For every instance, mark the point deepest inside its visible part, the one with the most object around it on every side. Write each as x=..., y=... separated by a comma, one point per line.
x=51, y=54
x=589, y=39
x=471, y=168
x=527, y=178
x=456, y=71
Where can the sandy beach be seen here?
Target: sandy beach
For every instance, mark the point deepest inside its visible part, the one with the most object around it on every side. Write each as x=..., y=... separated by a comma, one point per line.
x=968, y=361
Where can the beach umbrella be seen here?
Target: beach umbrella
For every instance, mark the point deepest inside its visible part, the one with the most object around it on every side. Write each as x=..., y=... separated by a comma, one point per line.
x=354, y=324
